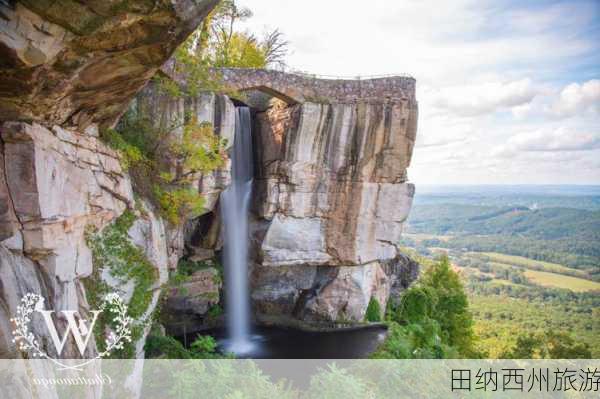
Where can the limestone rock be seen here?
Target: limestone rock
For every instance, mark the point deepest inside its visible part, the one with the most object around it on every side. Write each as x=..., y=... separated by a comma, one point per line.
x=347, y=296
x=343, y=168
x=402, y=271
x=59, y=182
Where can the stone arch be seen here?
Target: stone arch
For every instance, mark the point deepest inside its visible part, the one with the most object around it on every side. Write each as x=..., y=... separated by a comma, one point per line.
x=273, y=83
x=272, y=92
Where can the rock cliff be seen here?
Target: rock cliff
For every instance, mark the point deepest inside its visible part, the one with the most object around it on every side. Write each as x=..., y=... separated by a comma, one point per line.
x=330, y=193
x=66, y=70
x=331, y=196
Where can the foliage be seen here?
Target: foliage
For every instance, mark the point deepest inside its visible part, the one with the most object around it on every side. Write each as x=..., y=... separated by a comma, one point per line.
x=219, y=43
x=229, y=47
x=214, y=312
x=186, y=267
x=203, y=347
x=211, y=379
x=373, y=313
x=512, y=313
x=112, y=250
x=561, y=235
x=163, y=164
x=498, y=315
x=417, y=340
x=178, y=203
x=335, y=382
x=432, y=318
x=548, y=345
x=130, y=154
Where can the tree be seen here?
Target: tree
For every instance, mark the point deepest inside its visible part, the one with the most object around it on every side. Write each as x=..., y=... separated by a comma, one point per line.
x=560, y=345
x=432, y=318
x=373, y=313
x=526, y=347
x=226, y=46
x=548, y=345
x=451, y=306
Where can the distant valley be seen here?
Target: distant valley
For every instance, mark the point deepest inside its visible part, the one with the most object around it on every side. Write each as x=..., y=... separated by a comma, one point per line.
x=528, y=255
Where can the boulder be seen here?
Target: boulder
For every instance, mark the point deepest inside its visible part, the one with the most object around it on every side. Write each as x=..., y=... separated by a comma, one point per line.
x=187, y=306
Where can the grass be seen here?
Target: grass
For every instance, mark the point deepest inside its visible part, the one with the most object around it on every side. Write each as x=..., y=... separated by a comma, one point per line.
x=505, y=282
x=532, y=264
x=547, y=279
x=421, y=237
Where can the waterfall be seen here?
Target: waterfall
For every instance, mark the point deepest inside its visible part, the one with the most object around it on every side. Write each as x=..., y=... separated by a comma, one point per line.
x=234, y=211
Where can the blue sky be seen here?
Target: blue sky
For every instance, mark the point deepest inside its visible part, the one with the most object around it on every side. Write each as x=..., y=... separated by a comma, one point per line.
x=509, y=91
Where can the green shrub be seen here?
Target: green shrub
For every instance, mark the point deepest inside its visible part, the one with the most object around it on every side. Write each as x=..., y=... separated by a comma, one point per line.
x=179, y=203
x=334, y=382
x=130, y=154
x=163, y=168
x=203, y=347
x=214, y=312
x=373, y=313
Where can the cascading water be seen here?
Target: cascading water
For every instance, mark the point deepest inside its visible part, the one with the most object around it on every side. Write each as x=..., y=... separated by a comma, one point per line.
x=235, y=201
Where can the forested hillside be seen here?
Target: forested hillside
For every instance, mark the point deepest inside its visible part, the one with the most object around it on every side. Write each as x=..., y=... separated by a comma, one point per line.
x=562, y=235
x=530, y=262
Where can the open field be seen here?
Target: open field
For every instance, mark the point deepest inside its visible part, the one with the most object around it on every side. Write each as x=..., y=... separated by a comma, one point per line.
x=575, y=284
x=531, y=264
x=421, y=237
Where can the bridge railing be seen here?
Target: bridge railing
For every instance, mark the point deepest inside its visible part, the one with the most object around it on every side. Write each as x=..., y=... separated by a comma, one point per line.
x=347, y=77
x=310, y=75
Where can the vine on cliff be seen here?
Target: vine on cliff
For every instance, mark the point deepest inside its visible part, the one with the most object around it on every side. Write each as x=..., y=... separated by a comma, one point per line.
x=113, y=251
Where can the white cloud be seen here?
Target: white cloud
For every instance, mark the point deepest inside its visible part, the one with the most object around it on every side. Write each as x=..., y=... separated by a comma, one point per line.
x=441, y=130
x=543, y=140
x=575, y=99
x=578, y=98
x=485, y=71
x=473, y=100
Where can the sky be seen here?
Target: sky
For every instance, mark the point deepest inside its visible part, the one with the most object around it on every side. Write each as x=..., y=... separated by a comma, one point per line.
x=508, y=91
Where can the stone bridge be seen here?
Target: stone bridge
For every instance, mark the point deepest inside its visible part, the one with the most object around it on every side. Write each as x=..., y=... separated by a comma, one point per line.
x=299, y=88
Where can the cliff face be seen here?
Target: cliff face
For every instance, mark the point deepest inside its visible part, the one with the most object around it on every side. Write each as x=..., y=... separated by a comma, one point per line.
x=330, y=200
x=330, y=193
x=67, y=68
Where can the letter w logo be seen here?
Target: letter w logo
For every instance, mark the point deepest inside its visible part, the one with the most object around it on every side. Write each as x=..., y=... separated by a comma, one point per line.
x=79, y=331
